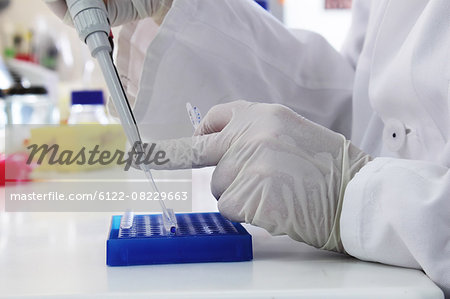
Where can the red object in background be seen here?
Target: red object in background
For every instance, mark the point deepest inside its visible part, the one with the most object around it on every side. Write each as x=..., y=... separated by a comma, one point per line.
x=26, y=57
x=2, y=170
x=338, y=4
x=18, y=169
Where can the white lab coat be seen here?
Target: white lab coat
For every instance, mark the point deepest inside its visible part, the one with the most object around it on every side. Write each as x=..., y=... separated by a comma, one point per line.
x=389, y=91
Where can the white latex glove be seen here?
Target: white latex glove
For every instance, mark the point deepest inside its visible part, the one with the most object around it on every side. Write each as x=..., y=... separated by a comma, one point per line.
x=120, y=11
x=275, y=169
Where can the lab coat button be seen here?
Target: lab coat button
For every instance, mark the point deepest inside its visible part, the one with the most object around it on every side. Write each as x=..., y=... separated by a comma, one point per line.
x=394, y=135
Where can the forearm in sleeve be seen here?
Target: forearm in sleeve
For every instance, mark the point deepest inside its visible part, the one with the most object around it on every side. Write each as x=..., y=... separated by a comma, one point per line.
x=220, y=51
x=397, y=212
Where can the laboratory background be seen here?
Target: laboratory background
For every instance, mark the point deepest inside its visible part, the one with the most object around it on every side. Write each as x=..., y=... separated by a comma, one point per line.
x=49, y=82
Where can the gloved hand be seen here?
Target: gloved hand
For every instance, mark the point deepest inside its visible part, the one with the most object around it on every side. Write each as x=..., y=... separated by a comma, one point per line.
x=120, y=11
x=275, y=169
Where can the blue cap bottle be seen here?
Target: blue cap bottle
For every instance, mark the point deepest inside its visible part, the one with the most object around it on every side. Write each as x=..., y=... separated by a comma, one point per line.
x=88, y=108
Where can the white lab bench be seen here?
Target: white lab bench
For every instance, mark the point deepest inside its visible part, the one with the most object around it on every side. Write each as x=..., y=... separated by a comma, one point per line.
x=63, y=255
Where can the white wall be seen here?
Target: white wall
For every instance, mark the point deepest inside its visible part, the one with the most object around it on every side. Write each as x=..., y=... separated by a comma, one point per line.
x=311, y=15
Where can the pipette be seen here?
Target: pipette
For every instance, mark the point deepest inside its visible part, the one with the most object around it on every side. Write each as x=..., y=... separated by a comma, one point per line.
x=90, y=19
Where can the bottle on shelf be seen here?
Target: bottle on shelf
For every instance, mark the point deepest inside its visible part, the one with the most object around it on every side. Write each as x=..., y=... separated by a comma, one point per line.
x=88, y=108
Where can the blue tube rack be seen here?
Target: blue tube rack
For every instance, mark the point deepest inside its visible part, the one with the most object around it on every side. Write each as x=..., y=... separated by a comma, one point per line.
x=200, y=237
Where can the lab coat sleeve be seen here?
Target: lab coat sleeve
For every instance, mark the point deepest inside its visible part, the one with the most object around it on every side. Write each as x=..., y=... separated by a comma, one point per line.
x=213, y=52
x=398, y=212
x=356, y=35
